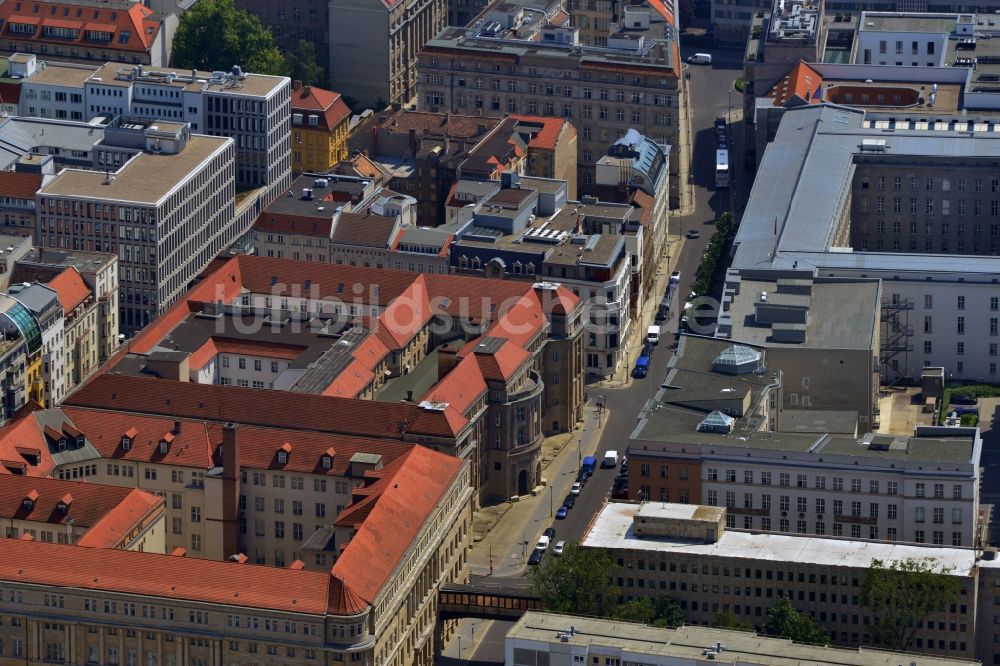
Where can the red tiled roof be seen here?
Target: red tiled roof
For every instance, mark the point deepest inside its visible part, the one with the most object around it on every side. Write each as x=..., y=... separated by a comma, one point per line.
x=297, y=225
x=461, y=387
x=503, y=364
x=262, y=407
x=801, y=82
x=132, y=29
x=214, y=346
x=164, y=576
x=70, y=288
x=112, y=527
x=403, y=498
x=548, y=131
x=327, y=104
x=16, y=184
x=23, y=445
x=91, y=501
x=343, y=600
x=406, y=315
x=351, y=381
x=192, y=446
x=10, y=93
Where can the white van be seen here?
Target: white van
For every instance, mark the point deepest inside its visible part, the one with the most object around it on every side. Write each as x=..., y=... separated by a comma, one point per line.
x=653, y=335
x=610, y=459
x=543, y=543
x=559, y=548
x=700, y=59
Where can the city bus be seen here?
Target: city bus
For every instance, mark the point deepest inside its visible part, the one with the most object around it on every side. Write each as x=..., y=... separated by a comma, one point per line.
x=722, y=168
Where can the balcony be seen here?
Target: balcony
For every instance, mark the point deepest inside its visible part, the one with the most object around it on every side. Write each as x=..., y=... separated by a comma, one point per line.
x=532, y=388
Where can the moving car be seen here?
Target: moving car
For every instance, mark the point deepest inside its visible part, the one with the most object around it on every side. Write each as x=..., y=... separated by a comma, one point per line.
x=694, y=233
x=577, y=487
x=562, y=513
x=536, y=556
x=610, y=459
x=559, y=548
x=700, y=59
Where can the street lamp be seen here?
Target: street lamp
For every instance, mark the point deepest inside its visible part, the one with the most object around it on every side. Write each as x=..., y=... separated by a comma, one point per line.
x=524, y=550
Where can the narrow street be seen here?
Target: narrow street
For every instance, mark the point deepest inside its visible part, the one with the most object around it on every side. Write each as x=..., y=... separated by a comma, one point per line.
x=711, y=96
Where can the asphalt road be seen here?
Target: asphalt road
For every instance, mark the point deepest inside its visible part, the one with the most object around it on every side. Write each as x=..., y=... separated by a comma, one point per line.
x=710, y=98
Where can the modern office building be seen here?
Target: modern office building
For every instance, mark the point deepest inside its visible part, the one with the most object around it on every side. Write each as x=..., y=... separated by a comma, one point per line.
x=252, y=109
x=49, y=364
x=687, y=552
x=525, y=57
x=563, y=640
x=845, y=193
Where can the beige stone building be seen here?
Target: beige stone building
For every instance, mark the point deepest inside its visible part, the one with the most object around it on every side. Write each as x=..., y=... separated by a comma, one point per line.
x=506, y=64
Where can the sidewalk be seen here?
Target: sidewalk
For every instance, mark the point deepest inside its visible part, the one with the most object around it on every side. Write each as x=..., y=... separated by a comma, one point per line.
x=502, y=548
x=634, y=346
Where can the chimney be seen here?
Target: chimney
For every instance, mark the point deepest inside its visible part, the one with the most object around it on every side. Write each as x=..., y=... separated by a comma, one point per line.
x=297, y=565
x=230, y=489
x=178, y=552
x=447, y=359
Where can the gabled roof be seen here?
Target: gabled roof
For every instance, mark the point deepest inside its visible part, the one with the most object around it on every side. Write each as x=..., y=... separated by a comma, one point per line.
x=17, y=184
x=802, y=83
x=23, y=447
x=71, y=288
x=111, y=528
x=164, y=576
x=328, y=105
x=404, y=497
x=90, y=503
x=131, y=27
x=461, y=387
x=502, y=364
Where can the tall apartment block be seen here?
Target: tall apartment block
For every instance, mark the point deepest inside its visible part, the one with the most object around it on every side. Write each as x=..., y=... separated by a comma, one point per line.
x=168, y=210
x=253, y=109
x=523, y=57
x=374, y=46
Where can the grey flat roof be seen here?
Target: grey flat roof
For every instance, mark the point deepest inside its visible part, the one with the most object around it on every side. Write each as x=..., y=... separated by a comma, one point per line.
x=803, y=182
x=907, y=22
x=843, y=314
x=687, y=644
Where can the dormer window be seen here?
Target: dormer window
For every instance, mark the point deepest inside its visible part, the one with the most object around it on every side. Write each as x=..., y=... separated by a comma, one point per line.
x=282, y=457
x=80, y=440
x=62, y=444
x=327, y=462
x=29, y=500
x=164, y=447
x=126, y=443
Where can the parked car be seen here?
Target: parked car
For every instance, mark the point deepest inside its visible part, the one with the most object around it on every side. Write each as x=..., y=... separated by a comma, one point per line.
x=700, y=59
x=577, y=487
x=543, y=543
x=693, y=233
x=550, y=532
x=662, y=313
x=569, y=501
x=559, y=548
x=963, y=399
x=562, y=512
x=675, y=277
x=536, y=557
x=581, y=478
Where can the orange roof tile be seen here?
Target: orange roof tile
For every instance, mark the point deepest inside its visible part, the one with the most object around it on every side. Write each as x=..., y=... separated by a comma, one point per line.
x=23, y=447
x=503, y=364
x=328, y=105
x=91, y=502
x=461, y=387
x=343, y=600
x=117, y=523
x=318, y=226
x=17, y=184
x=132, y=29
x=70, y=288
x=164, y=576
x=403, y=498
x=192, y=446
x=548, y=133
x=802, y=82
x=351, y=381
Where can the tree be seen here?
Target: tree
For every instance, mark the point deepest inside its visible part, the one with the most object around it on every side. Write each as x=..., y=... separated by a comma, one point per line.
x=214, y=35
x=302, y=65
x=637, y=610
x=668, y=612
x=904, y=593
x=783, y=620
x=726, y=620
x=576, y=582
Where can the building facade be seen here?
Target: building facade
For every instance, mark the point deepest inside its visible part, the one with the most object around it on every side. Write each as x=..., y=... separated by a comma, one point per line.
x=542, y=68
x=745, y=573
x=166, y=229
x=320, y=120
x=375, y=61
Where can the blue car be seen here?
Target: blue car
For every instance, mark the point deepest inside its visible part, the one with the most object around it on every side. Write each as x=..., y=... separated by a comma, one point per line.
x=562, y=512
